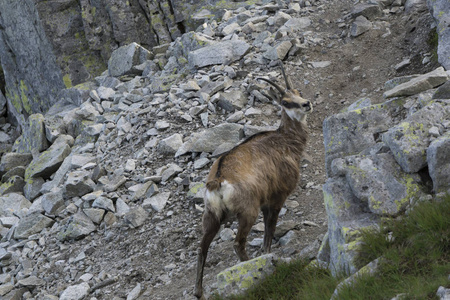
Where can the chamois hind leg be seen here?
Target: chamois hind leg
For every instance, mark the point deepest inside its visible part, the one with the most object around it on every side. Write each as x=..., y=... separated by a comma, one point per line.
x=246, y=222
x=270, y=214
x=211, y=225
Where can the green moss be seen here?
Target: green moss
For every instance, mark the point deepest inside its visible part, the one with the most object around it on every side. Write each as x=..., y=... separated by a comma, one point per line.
x=67, y=81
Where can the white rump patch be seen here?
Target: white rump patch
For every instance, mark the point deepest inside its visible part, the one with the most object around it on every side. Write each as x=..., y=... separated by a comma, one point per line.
x=220, y=200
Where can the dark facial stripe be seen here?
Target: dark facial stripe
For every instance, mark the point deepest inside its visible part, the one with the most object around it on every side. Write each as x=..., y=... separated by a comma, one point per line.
x=290, y=104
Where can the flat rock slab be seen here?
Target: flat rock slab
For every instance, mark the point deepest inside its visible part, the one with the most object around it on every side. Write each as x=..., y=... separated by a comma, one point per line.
x=49, y=161
x=217, y=54
x=419, y=84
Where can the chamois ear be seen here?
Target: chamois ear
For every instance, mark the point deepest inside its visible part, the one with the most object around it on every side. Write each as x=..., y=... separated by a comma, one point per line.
x=276, y=97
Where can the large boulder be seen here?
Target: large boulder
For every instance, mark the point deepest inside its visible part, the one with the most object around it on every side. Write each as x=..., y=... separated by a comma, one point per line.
x=124, y=60
x=378, y=181
x=33, y=138
x=353, y=131
x=410, y=139
x=50, y=160
x=31, y=224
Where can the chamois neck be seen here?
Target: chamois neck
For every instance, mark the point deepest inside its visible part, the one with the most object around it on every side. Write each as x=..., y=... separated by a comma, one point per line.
x=292, y=126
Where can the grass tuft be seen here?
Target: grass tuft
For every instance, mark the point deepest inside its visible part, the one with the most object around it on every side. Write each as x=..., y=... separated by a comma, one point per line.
x=415, y=261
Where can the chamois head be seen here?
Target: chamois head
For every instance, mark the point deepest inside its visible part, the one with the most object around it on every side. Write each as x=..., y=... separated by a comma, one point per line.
x=295, y=106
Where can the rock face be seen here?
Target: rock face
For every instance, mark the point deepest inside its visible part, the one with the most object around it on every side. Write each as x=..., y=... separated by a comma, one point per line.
x=32, y=83
x=440, y=9
x=376, y=158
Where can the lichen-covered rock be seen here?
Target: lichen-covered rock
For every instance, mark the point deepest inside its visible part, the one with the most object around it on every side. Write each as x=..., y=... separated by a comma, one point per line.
x=32, y=83
x=419, y=84
x=409, y=140
x=347, y=216
x=244, y=275
x=438, y=159
x=124, y=60
x=31, y=224
x=353, y=131
x=218, y=53
x=14, y=184
x=379, y=181
x=33, y=137
x=50, y=160
x=12, y=160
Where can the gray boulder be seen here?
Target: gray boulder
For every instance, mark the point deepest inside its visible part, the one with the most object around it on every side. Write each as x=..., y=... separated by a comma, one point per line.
x=353, y=131
x=14, y=184
x=53, y=202
x=75, y=227
x=124, y=60
x=170, y=145
x=438, y=159
x=409, y=140
x=12, y=160
x=157, y=202
x=210, y=139
x=419, y=84
x=31, y=224
x=440, y=9
x=33, y=138
x=278, y=51
x=50, y=160
x=78, y=183
x=379, y=181
x=222, y=53
x=12, y=204
x=136, y=216
x=75, y=292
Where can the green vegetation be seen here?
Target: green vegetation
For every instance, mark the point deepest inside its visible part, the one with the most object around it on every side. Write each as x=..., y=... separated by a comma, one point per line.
x=433, y=41
x=415, y=260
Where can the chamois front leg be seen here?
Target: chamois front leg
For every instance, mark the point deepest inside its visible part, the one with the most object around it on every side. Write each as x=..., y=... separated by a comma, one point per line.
x=211, y=225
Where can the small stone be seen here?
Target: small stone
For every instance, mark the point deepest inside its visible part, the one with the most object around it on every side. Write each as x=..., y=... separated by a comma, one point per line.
x=136, y=216
x=157, y=202
x=200, y=163
x=75, y=292
x=227, y=234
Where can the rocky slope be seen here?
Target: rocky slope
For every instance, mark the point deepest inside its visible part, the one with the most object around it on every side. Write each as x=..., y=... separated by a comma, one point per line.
x=101, y=194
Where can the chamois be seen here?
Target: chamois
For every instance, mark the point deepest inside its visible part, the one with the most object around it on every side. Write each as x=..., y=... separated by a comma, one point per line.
x=259, y=173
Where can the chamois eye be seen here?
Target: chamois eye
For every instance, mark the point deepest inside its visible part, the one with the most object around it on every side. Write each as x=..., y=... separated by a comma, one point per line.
x=284, y=102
